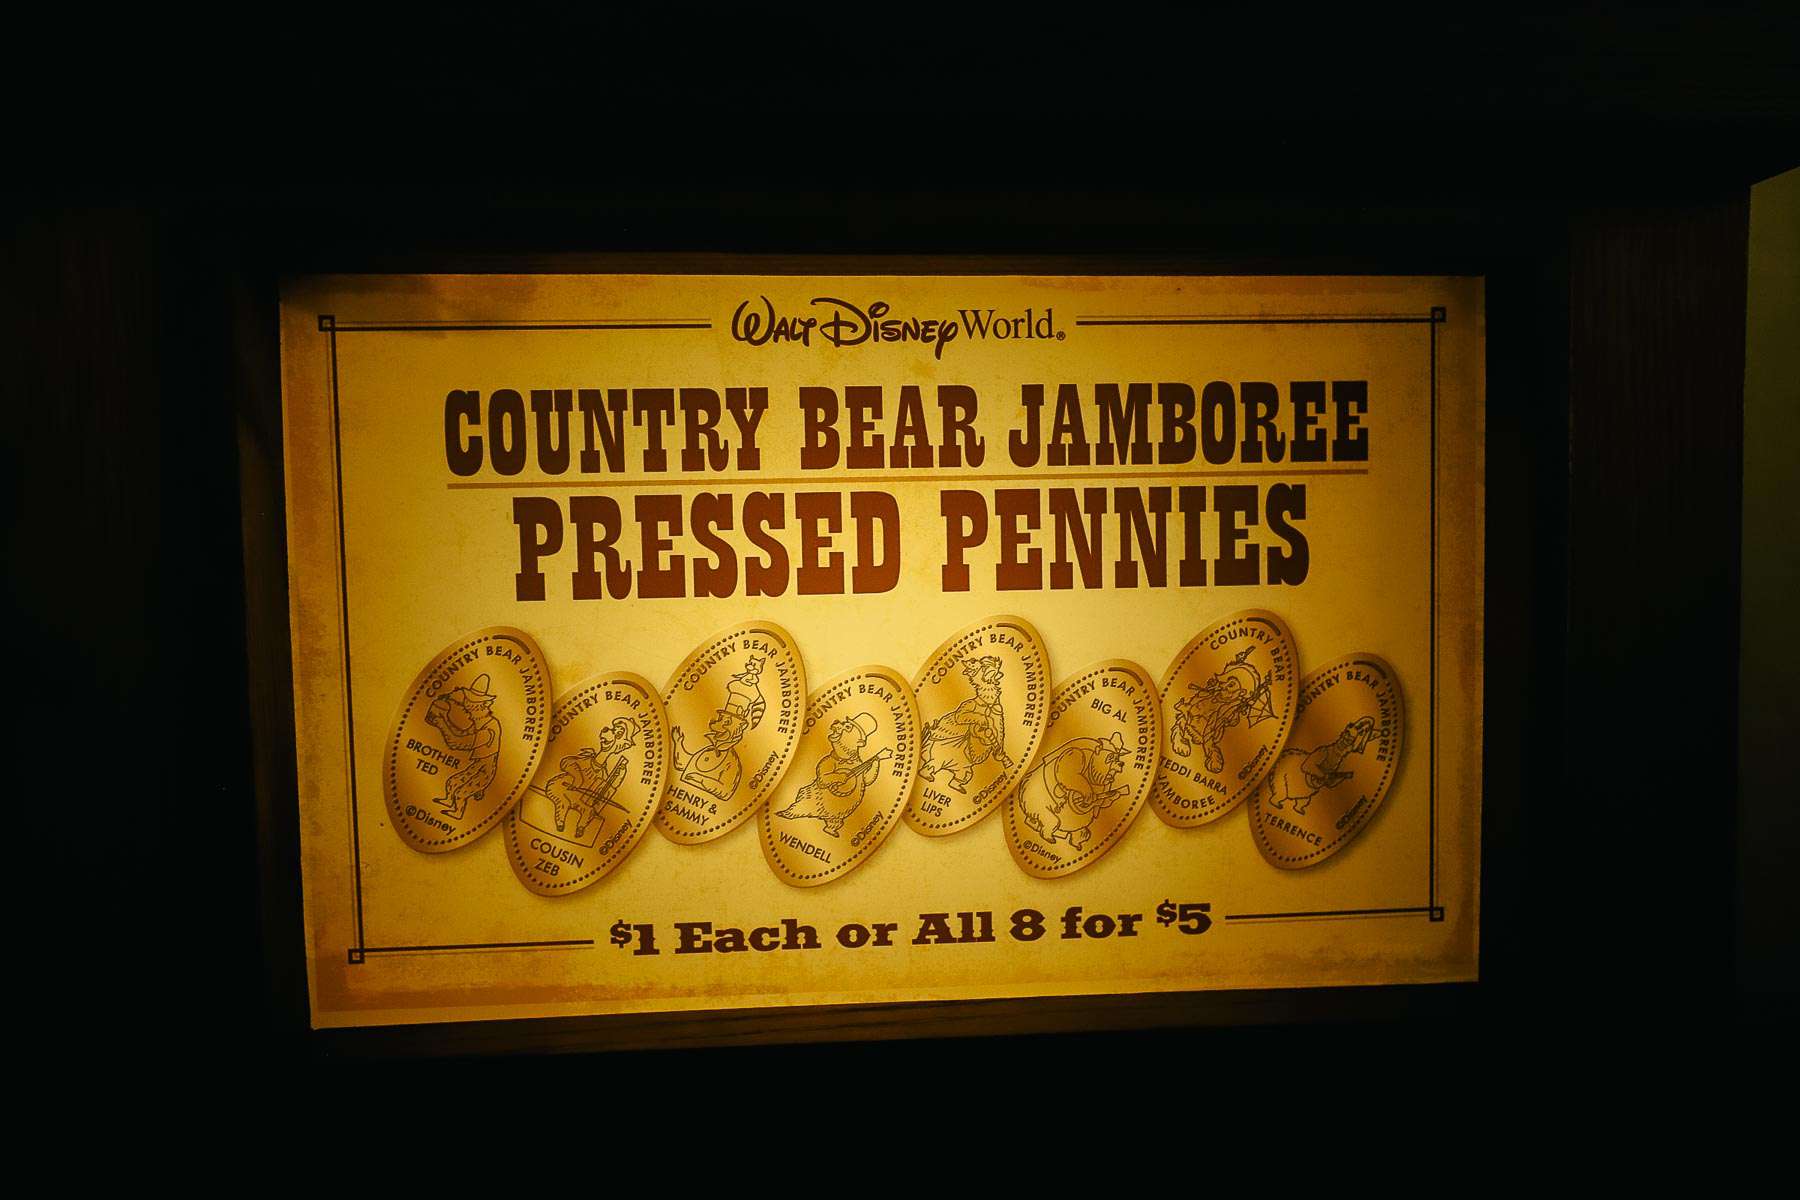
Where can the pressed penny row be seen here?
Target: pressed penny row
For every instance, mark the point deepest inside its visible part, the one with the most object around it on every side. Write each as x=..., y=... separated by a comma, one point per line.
x=577, y=783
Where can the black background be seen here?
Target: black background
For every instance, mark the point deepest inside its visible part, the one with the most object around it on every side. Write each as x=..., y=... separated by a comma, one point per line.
x=1595, y=167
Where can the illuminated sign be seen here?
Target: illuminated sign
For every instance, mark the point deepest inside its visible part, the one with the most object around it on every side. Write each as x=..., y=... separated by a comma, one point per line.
x=688, y=642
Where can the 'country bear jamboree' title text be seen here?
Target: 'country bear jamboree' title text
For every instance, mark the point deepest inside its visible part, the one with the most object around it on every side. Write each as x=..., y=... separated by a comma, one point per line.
x=1042, y=503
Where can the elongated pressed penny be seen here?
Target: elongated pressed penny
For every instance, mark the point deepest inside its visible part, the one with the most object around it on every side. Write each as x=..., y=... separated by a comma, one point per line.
x=1339, y=764
x=859, y=750
x=467, y=739
x=1100, y=756
x=734, y=710
x=598, y=788
x=1228, y=703
x=982, y=696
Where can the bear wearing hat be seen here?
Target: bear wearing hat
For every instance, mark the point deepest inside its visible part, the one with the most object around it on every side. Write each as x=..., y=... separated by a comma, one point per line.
x=841, y=777
x=464, y=718
x=714, y=767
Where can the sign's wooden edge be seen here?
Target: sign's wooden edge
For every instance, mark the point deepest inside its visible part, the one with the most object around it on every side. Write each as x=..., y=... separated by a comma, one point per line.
x=1074, y=265
x=904, y=1020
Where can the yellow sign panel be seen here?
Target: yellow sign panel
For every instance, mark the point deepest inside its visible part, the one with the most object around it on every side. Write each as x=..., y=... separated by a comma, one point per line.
x=777, y=499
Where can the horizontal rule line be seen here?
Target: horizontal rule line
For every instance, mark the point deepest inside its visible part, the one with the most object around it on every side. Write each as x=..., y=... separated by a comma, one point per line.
x=479, y=946
x=502, y=328
x=933, y=479
x=1254, y=321
x=1333, y=912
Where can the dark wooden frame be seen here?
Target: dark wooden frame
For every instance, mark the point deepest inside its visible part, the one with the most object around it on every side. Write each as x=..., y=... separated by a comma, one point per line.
x=1614, y=367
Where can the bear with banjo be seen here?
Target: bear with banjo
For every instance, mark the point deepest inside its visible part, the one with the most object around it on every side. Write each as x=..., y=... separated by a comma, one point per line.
x=840, y=778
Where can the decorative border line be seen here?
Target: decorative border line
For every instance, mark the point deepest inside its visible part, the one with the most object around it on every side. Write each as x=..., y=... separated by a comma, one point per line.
x=1372, y=319
x=358, y=954
x=329, y=324
x=1436, y=914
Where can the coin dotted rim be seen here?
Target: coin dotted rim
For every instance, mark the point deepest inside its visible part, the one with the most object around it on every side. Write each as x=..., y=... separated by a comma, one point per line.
x=393, y=750
x=1137, y=803
x=1193, y=647
x=768, y=813
x=1003, y=786
x=793, y=651
x=527, y=875
x=1381, y=788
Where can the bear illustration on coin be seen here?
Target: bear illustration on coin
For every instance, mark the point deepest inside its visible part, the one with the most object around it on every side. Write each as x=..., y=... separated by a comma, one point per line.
x=1300, y=774
x=983, y=695
x=859, y=752
x=602, y=779
x=467, y=740
x=974, y=731
x=589, y=779
x=841, y=777
x=1075, y=782
x=1228, y=705
x=1237, y=694
x=1327, y=785
x=465, y=720
x=1083, y=793
x=714, y=766
x=734, y=709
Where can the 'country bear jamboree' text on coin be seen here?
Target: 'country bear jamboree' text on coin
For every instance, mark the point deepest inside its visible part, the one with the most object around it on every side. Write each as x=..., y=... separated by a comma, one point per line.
x=1339, y=764
x=859, y=750
x=467, y=739
x=982, y=697
x=1100, y=756
x=734, y=709
x=598, y=788
x=1227, y=703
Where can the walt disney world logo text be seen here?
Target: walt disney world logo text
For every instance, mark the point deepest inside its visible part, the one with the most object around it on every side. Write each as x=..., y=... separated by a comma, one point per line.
x=841, y=323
